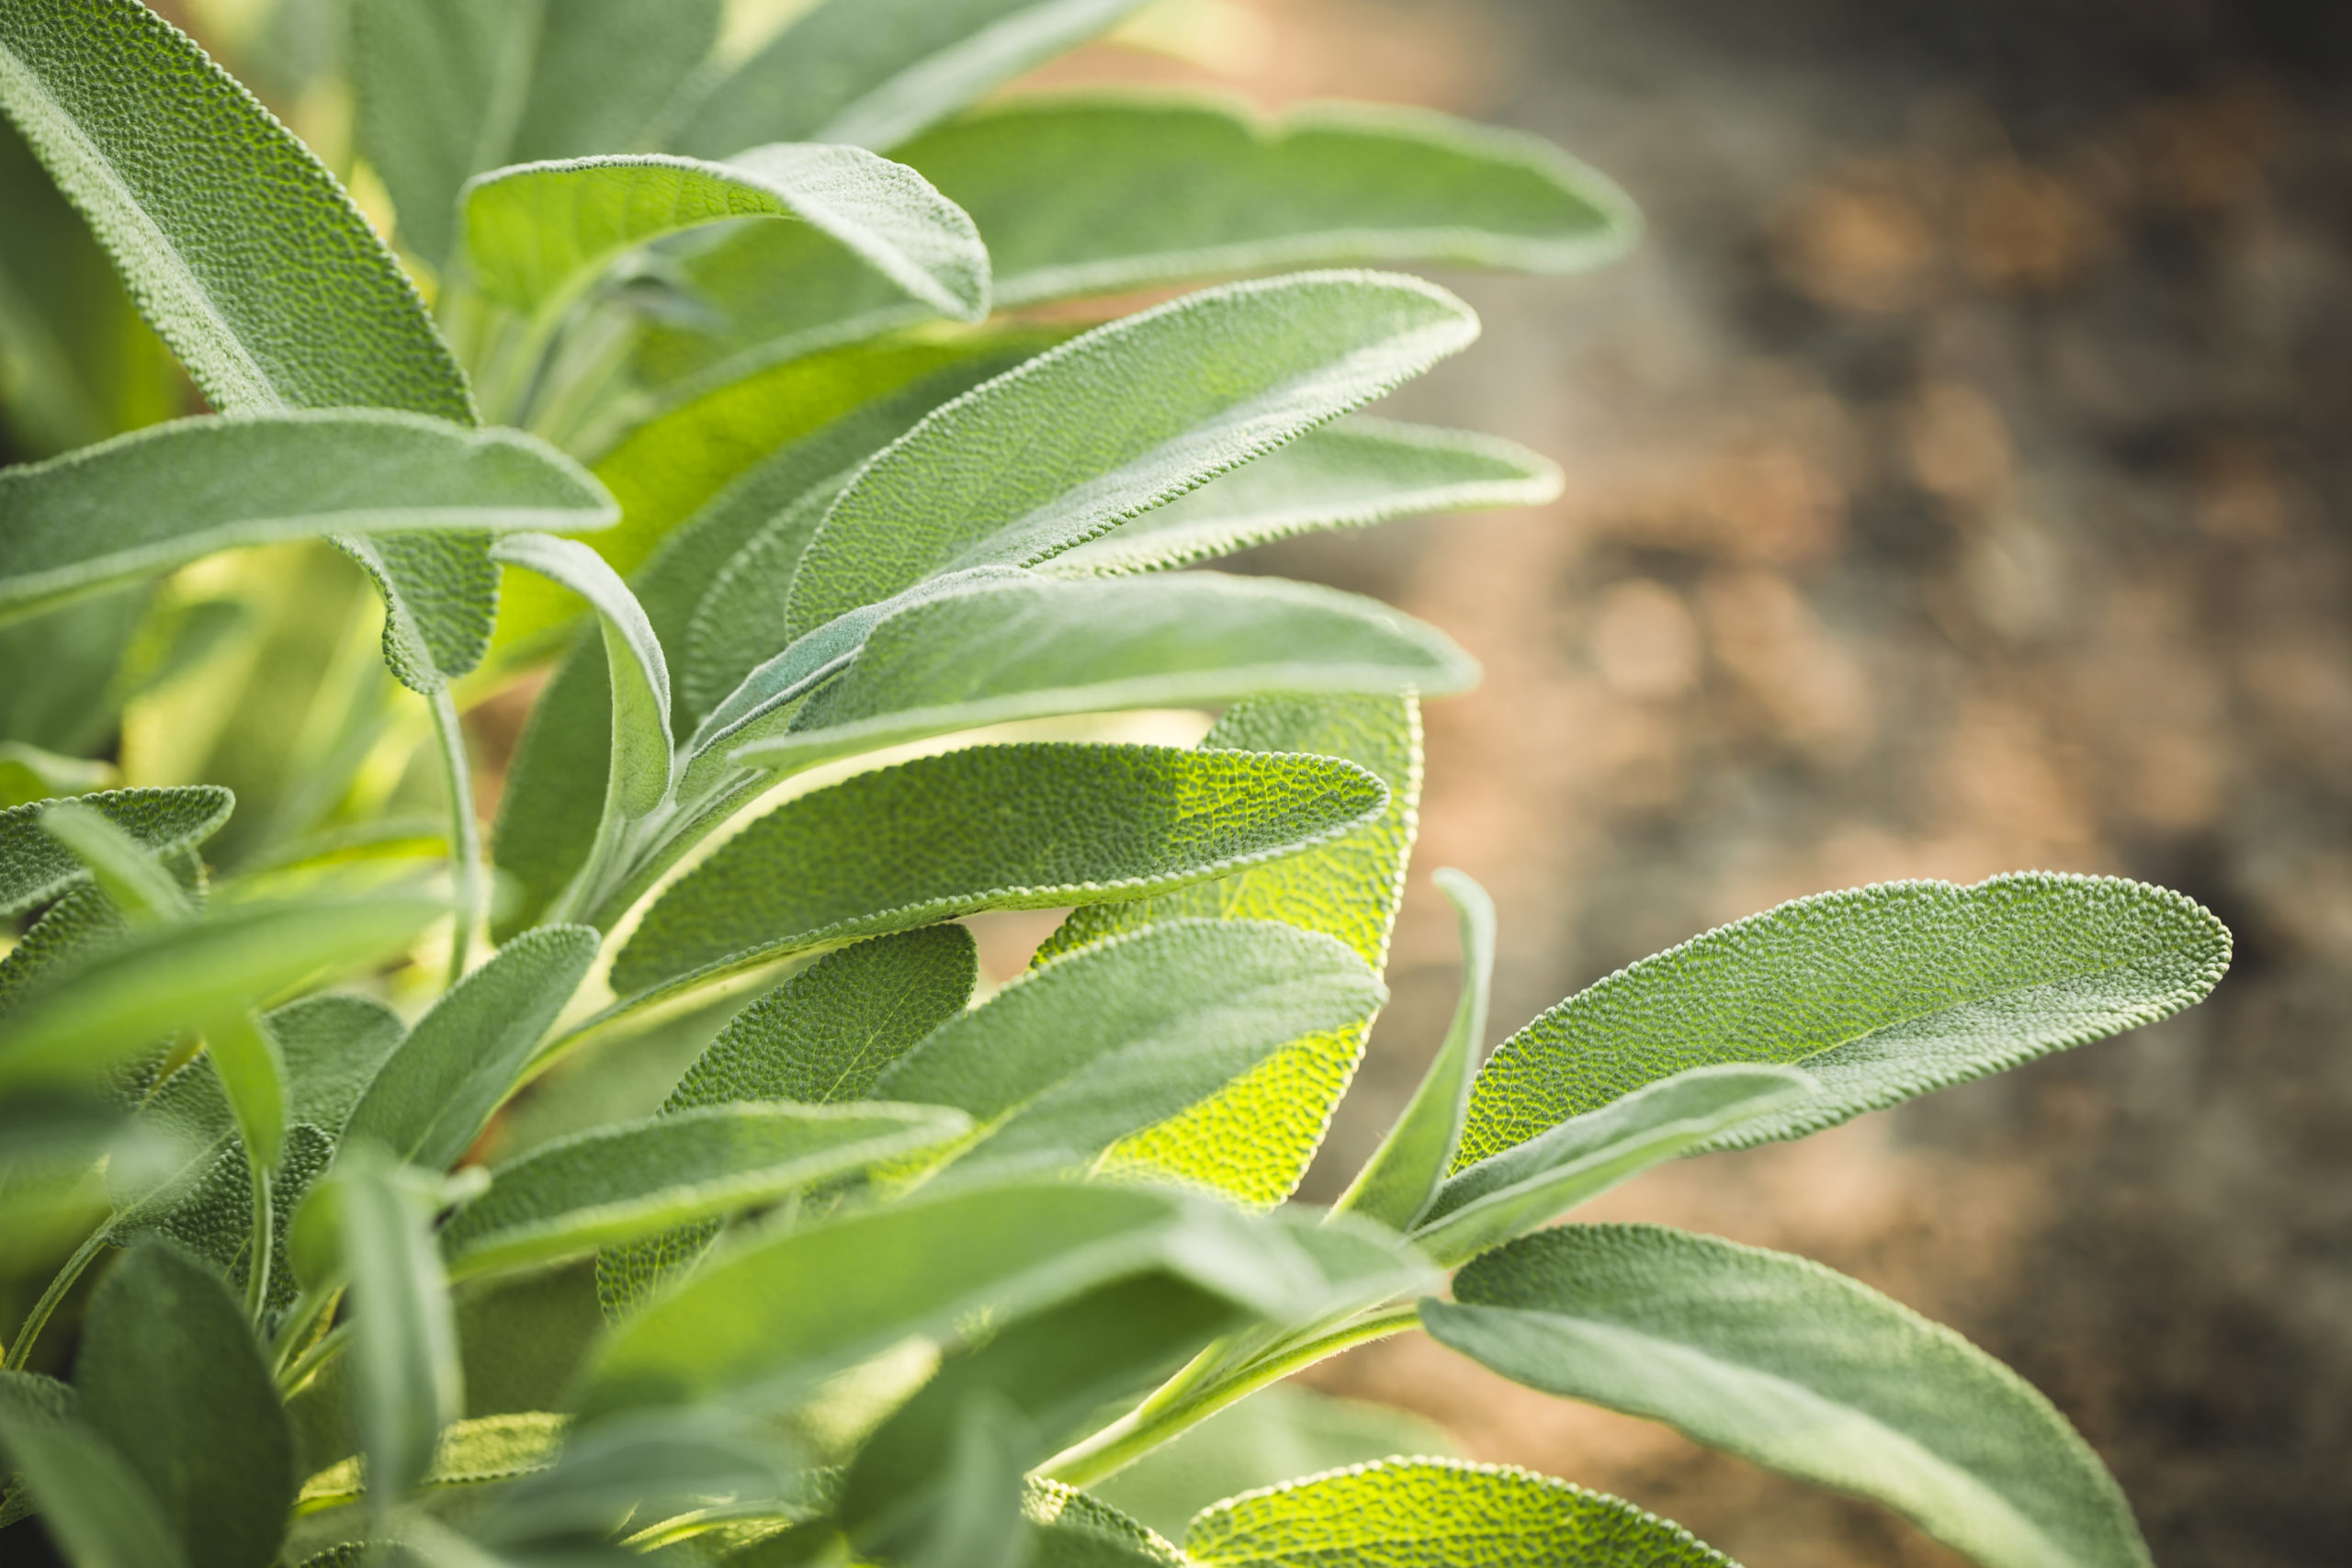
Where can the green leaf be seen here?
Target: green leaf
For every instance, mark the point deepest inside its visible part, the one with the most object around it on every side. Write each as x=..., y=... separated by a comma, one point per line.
x=1436, y=1513
x=1108, y=425
x=35, y=867
x=133, y=880
x=1278, y=1434
x=88, y=520
x=873, y=73
x=1351, y=473
x=1800, y=1370
x=640, y=700
x=1396, y=1186
x=1083, y=1051
x=92, y=1504
x=249, y=260
x=974, y=1518
x=1883, y=993
x=614, y=1183
x=406, y=1381
x=746, y=1331
x=169, y=1374
x=820, y=1038
x=253, y=1075
x=641, y=1471
x=1026, y=827
x=433, y=1094
x=448, y=88
x=1254, y=1139
x=473, y=1452
x=1015, y=649
x=1076, y=1529
x=536, y=235
x=156, y=982
x=1533, y=1183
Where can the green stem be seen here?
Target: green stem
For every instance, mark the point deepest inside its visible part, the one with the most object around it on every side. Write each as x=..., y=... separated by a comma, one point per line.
x=264, y=1228
x=298, y=1331
x=1145, y=1428
x=36, y=1320
x=322, y=1351
x=465, y=832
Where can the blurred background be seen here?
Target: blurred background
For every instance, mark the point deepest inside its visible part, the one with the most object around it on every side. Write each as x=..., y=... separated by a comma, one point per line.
x=1959, y=479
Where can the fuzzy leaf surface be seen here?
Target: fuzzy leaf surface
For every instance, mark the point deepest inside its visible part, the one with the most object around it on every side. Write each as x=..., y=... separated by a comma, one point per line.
x=36, y=868
x=91, y=1503
x=1102, y=1042
x=1800, y=1370
x=613, y=1183
x=873, y=73
x=1001, y=652
x=471, y=1453
x=1437, y=1513
x=1025, y=827
x=537, y=234
x=1255, y=1139
x=88, y=520
x=465, y=1056
x=1881, y=993
x=1351, y=473
x=169, y=1373
x=134, y=881
x=1112, y=424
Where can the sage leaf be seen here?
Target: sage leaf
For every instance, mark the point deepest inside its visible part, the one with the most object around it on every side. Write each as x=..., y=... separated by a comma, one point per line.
x=169, y=1375
x=1025, y=827
x=973, y=1517
x=156, y=982
x=465, y=1056
x=1003, y=651
x=639, y=693
x=1077, y=1529
x=253, y=1075
x=1437, y=1513
x=650, y=1466
x=473, y=1452
x=1881, y=993
x=875, y=71
x=448, y=88
x=1801, y=1370
x=1351, y=473
x=88, y=520
x=1255, y=1139
x=92, y=1505
x=612, y=1183
x=1400, y=1180
x=1533, y=1183
x=820, y=1038
x=745, y=1331
x=1085, y=1050
x=133, y=880
x=1140, y=412
x=535, y=233
x=35, y=867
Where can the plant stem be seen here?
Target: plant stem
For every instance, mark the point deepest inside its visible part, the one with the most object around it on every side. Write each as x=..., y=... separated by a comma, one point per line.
x=258, y=1261
x=1145, y=1428
x=322, y=1351
x=465, y=832
x=297, y=1332
x=21, y=1350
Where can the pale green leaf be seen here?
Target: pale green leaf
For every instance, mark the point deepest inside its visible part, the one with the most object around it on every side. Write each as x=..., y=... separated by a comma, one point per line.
x=1000, y=651
x=88, y=520
x=35, y=867
x=1278, y=1434
x=448, y=88
x=156, y=982
x=168, y=1373
x=1108, y=425
x=639, y=692
x=1083, y=1051
x=473, y=1452
x=133, y=880
x=1254, y=1140
x=614, y=1183
x=747, y=1330
x=465, y=1056
x=1881, y=993
x=1351, y=473
x=1396, y=1186
x=1437, y=1513
x=92, y=1505
x=1800, y=1370
x=1533, y=1183
x=537, y=234
x=996, y=827
x=253, y=1075
x=875, y=71
x=1077, y=1530
x=974, y=1514
x=642, y=1469
x=820, y=1038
